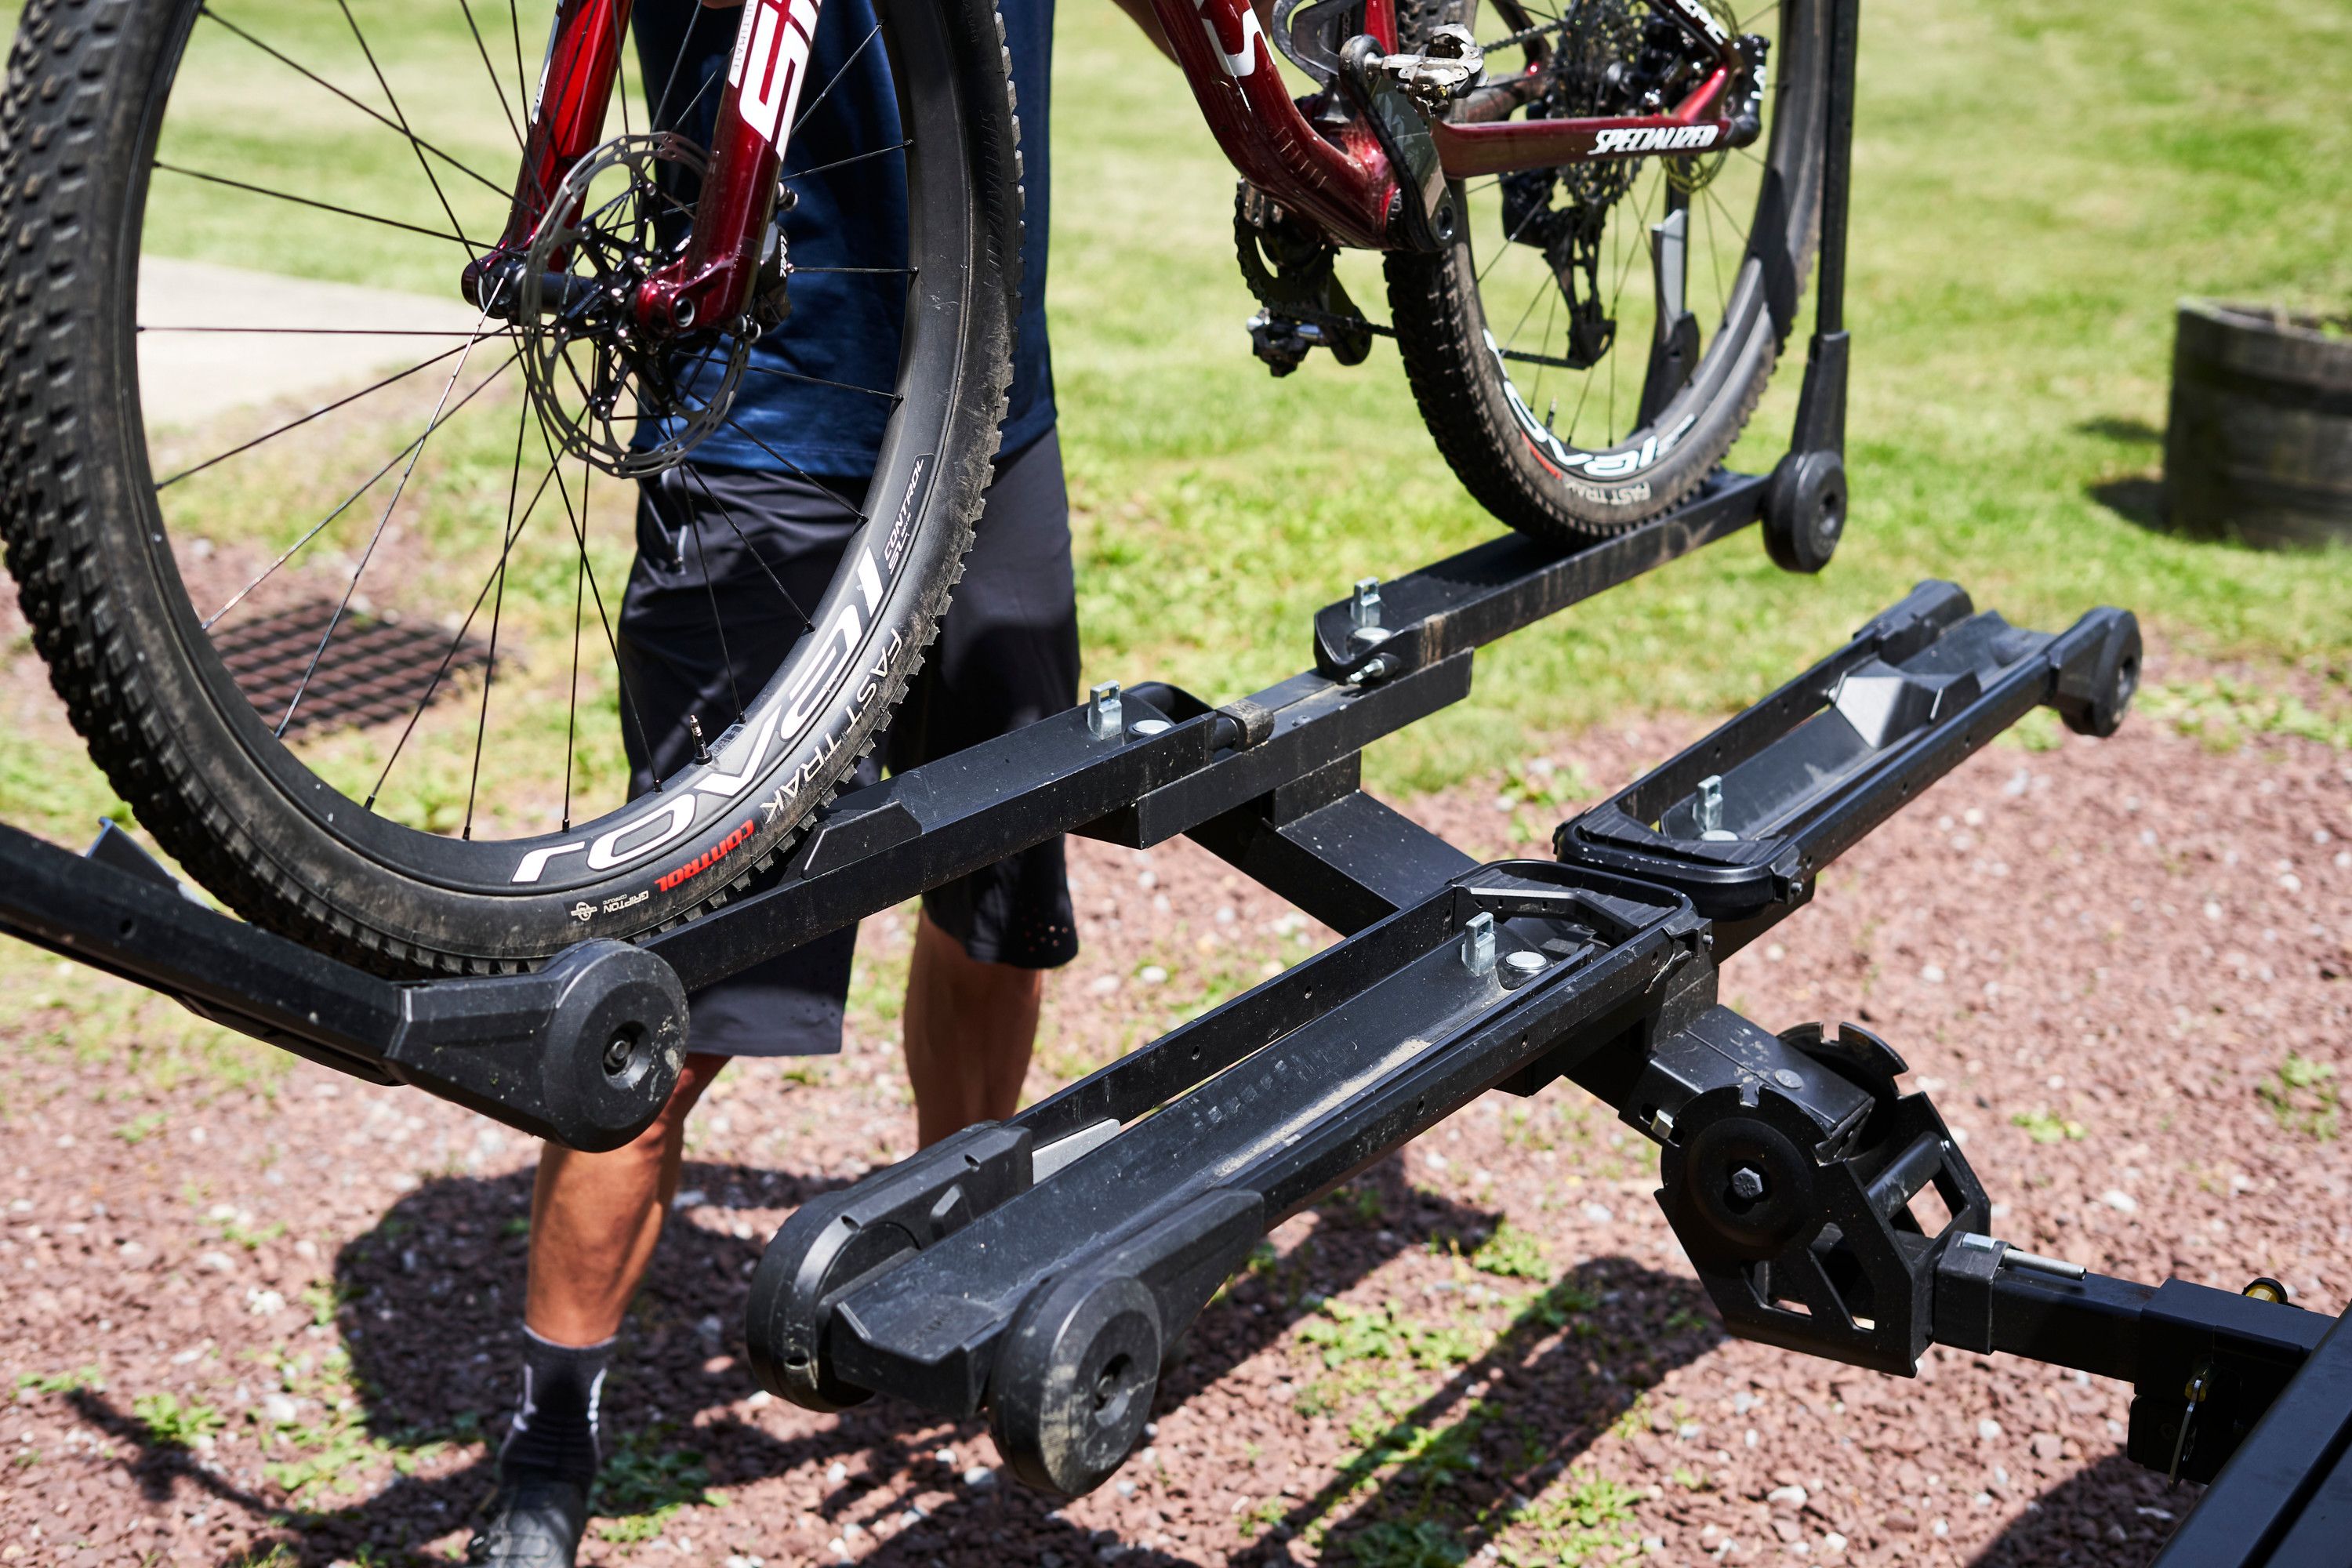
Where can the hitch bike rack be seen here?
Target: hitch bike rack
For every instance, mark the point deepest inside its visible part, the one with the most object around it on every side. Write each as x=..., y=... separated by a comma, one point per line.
x=1042, y=1267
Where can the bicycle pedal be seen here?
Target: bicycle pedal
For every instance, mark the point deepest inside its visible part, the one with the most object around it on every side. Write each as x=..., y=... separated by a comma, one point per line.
x=1281, y=341
x=1448, y=67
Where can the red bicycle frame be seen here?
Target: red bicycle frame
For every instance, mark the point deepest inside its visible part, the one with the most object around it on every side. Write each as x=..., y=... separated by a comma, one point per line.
x=1342, y=182
x=712, y=281
x=1332, y=172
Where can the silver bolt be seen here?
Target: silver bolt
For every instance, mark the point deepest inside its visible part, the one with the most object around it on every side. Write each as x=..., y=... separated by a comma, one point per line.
x=1524, y=961
x=1364, y=609
x=1104, y=720
x=1788, y=1079
x=1373, y=669
x=1478, y=944
x=1151, y=726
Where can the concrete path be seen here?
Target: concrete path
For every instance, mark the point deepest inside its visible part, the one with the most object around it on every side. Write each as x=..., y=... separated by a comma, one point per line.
x=186, y=378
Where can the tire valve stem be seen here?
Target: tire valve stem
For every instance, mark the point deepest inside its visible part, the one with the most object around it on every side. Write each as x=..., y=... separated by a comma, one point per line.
x=702, y=747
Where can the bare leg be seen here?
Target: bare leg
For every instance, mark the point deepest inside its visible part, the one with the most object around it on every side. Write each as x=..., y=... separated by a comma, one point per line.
x=969, y=1028
x=594, y=1220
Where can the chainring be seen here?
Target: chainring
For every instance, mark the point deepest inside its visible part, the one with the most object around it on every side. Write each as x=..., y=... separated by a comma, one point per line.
x=596, y=378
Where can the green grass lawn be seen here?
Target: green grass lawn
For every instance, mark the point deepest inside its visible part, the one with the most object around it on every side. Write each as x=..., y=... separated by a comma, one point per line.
x=2035, y=187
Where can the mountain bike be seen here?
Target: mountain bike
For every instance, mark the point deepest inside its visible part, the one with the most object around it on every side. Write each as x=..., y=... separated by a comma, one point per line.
x=353, y=662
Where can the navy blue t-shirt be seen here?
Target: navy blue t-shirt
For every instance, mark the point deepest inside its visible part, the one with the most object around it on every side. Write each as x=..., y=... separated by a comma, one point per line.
x=852, y=212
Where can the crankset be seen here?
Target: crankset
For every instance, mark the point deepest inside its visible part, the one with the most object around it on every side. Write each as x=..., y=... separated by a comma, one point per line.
x=1290, y=269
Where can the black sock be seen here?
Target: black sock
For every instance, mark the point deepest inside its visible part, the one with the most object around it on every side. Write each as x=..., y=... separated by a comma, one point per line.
x=556, y=1428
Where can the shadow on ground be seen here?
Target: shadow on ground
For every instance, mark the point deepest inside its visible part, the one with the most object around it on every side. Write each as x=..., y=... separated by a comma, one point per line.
x=2115, y=1514
x=428, y=1301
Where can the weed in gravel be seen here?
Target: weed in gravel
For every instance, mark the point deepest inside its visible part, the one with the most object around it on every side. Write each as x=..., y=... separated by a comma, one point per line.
x=1512, y=1253
x=1424, y=1544
x=1348, y=1334
x=173, y=1424
x=238, y=1229
x=2222, y=714
x=1572, y=1523
x=71, y=1382
x=2303, y=1097
x=646, y=1481
x=2045, y=1127
x=140, y=1127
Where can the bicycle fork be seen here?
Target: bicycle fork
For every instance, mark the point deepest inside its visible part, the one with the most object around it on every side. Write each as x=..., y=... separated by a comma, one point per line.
x=711, y=278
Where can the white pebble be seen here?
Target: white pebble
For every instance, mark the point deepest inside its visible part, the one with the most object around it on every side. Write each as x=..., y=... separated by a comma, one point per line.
x=2120, y=1201
x=1793, y=1495
x=1598, y=1213
x=1933, y=973
x=979, y=1477
x=1987, y=1428
x=1152, y=974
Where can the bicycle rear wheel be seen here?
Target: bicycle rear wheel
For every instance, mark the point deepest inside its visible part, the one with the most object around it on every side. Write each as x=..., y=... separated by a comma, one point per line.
x=1534, y=343
x=330, y=598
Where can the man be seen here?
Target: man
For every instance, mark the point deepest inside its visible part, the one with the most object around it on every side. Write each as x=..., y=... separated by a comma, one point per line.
x=776, y=494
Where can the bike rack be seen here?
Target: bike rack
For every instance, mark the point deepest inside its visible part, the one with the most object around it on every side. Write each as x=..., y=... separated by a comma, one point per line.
x=1042, y=1267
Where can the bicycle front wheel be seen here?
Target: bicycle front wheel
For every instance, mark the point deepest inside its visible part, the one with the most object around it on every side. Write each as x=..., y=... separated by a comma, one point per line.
x=331, y=594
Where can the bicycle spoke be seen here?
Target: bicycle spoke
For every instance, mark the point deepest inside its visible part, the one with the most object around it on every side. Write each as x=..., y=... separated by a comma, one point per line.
x=318, y=413
x=868, y=271
x=731, y=423
x=295, y=66
x=329, y=331
x=769, y=572
x=572, y=702
x=496, y=86
x=844, y=163
x=579, y=520
x=718, y=622
x=685, y=50
x=497, y=609
x=269, y=571
x=843, y=69
x=438, y=194
x=416, y=456
x=457, y=641
x=458, y=239
x=820, y=381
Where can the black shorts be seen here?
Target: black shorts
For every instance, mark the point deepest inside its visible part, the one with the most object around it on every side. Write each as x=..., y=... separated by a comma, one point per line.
x=1007, y=656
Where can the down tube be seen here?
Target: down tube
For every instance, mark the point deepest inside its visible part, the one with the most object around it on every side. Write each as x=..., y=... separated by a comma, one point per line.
x=1226, y=58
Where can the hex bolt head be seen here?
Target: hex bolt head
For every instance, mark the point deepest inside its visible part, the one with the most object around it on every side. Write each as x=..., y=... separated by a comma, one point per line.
x=1747, y=1184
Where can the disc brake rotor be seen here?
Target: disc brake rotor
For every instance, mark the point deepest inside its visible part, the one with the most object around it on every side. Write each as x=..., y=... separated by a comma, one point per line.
x=595, y=379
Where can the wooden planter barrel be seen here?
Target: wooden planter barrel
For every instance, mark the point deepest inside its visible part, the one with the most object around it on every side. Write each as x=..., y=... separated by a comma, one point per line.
x=2259, y=445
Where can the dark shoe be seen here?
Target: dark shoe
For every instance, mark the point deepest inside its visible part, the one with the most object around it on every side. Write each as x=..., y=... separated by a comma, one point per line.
x=533, y=1520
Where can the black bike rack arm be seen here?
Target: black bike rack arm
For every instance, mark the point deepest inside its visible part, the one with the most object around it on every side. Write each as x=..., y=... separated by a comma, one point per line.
x=583, y=1051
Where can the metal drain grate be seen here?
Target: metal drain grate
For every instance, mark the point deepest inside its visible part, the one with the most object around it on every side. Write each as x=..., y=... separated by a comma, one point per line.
x=372, y=671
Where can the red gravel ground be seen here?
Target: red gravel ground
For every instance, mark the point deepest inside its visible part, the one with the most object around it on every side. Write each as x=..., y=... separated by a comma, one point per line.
x=269, y=1315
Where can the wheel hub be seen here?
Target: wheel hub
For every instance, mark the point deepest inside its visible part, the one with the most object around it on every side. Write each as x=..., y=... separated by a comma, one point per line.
x=607, y=391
